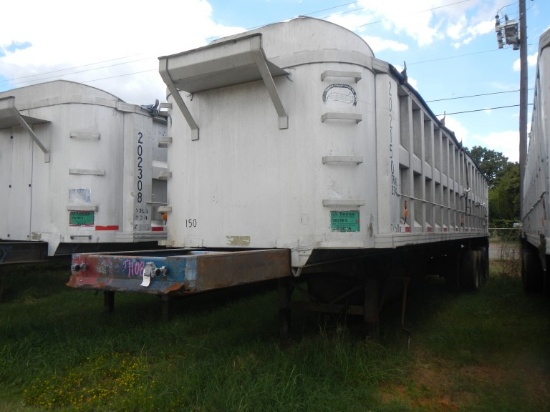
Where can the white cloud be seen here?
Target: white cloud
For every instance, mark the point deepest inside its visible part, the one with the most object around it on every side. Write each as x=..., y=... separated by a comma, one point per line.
x=128, y=37
x=413, y=82
x=483, y=27
x=455, y=30
x=392, y=16
x=425, y=21
x=471, y=32
x=531, y=61
x=378, y=44
x=459, y=130
x=505, y=142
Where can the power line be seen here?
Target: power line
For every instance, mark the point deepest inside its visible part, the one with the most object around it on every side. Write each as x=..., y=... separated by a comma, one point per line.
x=363, y=8
x=452, y=57
x=456, y=56
x=332, y=8
x=481, y=110
x=418, y=12
x=14, y=80
x=427, y=101
x=472, y=95
x=309, y=14
x=120, y=75
x=18, y=80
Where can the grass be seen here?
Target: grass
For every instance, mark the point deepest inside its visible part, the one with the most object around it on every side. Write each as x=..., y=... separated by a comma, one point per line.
x=220, y=352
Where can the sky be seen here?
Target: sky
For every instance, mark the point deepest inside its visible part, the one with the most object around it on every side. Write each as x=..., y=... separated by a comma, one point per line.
x=449, y=48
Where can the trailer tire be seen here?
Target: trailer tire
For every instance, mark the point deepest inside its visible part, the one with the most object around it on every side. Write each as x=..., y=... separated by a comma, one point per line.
x=484, y=269
x=452, y=272
x=531, y=271
x=469, y=270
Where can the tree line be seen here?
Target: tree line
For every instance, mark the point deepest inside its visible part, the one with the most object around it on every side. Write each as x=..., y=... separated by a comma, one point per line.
x=503, y=179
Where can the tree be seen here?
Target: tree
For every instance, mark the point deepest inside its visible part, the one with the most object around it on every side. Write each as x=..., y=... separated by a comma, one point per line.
x=503, y=181
x=504, y=198
x=492, y=164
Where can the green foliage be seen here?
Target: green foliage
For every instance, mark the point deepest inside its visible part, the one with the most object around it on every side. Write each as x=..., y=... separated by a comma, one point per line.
x=220, y=352
x=92, y=382
x=504, y=198
x=504, y=223
x=503, y=180
x=491, y=163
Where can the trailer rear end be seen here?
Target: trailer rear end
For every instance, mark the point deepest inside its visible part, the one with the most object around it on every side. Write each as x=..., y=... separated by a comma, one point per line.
x=295, y=137
x=80, y=170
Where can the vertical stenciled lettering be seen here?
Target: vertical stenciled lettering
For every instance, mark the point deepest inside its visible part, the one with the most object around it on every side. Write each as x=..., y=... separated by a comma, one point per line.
x=394, y=191
x=141, y=220
x=140, y=168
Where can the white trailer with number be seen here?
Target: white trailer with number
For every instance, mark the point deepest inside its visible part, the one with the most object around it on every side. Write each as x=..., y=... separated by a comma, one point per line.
x=79, y=169
x=295, y=137
x=536, y=185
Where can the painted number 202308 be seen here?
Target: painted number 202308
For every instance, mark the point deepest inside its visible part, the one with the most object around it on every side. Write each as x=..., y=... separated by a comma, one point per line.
x=140, y=168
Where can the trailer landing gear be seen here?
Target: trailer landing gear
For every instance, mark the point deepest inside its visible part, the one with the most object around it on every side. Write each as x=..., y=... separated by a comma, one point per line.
x=284, y=292
x=108, y=301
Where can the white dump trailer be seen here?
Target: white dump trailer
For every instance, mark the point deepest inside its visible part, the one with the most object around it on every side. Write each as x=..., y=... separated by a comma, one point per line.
x=79, y=170
x=535, y=199
x=294, y=137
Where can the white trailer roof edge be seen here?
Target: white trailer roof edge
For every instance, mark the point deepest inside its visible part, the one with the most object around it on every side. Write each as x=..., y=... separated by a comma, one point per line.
x=544, y=40
x=77, y=84
x=402, y=80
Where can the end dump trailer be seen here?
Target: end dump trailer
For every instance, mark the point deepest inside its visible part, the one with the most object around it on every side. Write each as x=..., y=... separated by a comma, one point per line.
x=80, y=170
x=294, y=140
x=536, y=185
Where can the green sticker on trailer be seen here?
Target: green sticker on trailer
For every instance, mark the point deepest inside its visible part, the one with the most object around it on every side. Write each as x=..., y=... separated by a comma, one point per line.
x=344, y=221
x=81, y=218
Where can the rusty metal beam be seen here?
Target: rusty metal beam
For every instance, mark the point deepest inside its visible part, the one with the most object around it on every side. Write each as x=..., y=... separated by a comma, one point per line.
x=182, y=272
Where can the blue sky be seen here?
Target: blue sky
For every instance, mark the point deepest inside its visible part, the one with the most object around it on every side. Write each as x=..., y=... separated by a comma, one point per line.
x=449, y=47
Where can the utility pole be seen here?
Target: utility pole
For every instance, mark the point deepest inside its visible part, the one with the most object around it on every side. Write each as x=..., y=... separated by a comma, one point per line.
x=515, y=34
x=522, y=98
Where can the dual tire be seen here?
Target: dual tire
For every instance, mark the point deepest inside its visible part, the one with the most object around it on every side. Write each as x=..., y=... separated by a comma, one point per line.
x=531, y=271
x=474, y=269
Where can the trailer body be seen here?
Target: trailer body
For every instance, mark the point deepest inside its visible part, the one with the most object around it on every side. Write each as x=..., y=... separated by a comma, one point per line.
x=79, y=169
x=536, y=185
x=295, y=137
